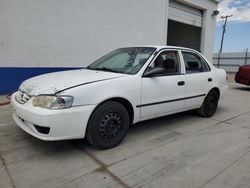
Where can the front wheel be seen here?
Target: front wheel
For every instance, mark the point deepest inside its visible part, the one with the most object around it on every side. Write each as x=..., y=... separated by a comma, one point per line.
x=108, y=125
x=209, y=105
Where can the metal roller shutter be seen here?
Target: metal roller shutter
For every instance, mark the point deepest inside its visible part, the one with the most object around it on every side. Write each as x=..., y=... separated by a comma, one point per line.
x=183, y=13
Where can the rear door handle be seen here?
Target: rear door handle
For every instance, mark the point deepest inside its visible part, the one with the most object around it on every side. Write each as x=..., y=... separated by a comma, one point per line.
x=210, y=79
x=181, y=83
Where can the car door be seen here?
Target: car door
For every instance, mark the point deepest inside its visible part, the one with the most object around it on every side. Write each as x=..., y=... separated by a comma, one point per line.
x=198, y=79
x=163, y=92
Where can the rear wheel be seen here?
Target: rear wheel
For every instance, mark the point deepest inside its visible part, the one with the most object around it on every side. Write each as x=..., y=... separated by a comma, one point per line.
x=108, y=125
x=209, y=105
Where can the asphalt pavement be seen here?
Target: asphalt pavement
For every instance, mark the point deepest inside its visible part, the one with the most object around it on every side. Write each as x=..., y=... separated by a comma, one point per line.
x=182, y=150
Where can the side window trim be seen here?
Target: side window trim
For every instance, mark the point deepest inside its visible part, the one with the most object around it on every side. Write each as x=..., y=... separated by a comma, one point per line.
x=205, y=62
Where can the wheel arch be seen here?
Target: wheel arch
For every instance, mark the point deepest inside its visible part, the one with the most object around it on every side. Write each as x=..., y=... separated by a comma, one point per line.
x=124, y=102
x=216, y=89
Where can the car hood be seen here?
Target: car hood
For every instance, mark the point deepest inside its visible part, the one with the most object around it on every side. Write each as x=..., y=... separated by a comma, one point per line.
x=53, y=83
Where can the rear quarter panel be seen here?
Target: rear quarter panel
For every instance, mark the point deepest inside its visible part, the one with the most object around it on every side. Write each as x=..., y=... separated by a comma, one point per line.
x=220, y=80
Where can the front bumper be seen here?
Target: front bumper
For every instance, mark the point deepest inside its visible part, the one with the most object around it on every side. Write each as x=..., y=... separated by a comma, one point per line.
x=62, y=124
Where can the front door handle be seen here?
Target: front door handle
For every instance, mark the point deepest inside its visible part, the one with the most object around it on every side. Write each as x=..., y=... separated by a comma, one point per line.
x=181, y=83
x=210, y=79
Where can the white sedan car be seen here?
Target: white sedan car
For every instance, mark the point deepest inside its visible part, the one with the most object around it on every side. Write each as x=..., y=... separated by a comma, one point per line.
x=125, y=86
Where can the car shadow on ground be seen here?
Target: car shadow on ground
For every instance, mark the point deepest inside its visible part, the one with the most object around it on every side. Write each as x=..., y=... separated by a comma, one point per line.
x=54, y=148
x=162, y=124
x=165, y=121
x=32, y=147
x=243, y=88
x=221, y=110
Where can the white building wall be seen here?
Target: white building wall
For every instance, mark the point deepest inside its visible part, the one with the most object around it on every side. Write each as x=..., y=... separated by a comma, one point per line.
x=40, y=33
x=76, y=32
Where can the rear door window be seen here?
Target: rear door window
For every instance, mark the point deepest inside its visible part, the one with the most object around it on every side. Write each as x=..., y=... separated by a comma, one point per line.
x=194, y=63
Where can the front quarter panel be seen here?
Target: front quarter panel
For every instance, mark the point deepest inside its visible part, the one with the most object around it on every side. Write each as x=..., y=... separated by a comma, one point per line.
x=128, y=87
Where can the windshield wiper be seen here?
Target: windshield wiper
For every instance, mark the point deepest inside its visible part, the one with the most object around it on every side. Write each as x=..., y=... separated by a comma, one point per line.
x=103, y=69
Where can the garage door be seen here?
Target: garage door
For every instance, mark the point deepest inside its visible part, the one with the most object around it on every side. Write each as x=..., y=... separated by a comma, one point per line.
x=183, y=13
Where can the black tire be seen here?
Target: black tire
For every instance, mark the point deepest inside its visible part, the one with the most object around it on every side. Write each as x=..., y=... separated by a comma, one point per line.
x=209, y=105
x=108, y=125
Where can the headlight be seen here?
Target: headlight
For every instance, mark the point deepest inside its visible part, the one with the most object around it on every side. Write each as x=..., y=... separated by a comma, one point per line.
x=53, y=102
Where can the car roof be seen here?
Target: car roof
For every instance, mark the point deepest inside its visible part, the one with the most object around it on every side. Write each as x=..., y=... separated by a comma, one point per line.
x=159, y=47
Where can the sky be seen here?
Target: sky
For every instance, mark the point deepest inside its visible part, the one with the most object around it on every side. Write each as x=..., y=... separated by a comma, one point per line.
x=237, y=36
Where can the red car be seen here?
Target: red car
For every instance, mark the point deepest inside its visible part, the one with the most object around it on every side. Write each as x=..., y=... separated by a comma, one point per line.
x=243, y=75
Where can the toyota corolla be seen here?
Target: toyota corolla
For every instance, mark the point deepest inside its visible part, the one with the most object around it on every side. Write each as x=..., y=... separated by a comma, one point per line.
x=126, y=86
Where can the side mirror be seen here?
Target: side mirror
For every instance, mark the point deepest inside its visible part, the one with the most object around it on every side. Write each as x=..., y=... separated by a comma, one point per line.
x=154, y=72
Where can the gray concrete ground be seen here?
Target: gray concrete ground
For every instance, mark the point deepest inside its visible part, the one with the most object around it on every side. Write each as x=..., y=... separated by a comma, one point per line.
x=182, y=150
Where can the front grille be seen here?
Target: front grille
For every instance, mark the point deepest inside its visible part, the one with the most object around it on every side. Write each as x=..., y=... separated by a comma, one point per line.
x=22, y=97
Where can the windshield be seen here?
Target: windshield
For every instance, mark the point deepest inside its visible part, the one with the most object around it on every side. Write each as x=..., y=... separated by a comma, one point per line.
x=124, y=60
